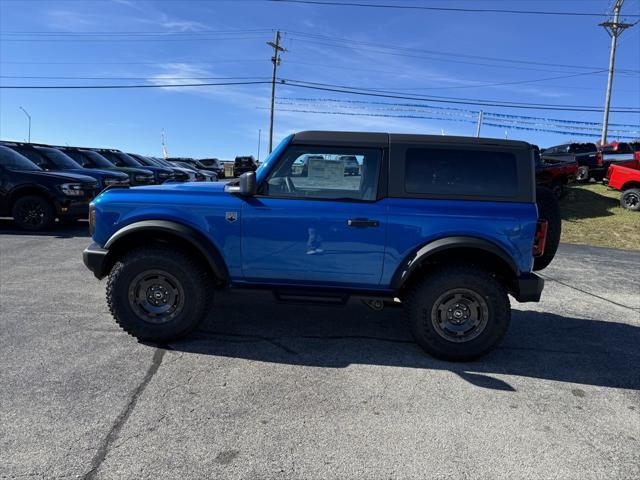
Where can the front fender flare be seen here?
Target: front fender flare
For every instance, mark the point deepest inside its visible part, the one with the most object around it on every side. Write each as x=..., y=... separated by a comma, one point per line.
x=189, y=234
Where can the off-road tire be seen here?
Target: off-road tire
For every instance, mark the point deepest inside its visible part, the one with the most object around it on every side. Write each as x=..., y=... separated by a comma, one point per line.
x=558, y=189
x=34, y=213
x=422, y=300
x=195, y=284
x=630, y=199
x=549, y=210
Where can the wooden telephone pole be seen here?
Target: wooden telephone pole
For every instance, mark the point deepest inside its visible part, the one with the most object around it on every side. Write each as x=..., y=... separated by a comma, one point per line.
x=276, y=63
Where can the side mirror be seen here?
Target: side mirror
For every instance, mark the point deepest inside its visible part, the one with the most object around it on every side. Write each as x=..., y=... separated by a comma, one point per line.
x=248, y=184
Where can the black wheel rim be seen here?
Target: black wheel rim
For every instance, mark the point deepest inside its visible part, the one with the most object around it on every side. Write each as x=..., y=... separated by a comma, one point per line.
x=460, y=315
x=31, y=213
x=156, y=296
x=631, y=199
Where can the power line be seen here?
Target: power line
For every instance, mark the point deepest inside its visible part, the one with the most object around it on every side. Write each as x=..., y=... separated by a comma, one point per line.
x=339, y=89
x=433, y=52
x=444, y=9
x=152, y=78
x=432, y=98
x=106, y=87
x=435, y=58
x=489, y=123
x=421, y=107
x=45, y=77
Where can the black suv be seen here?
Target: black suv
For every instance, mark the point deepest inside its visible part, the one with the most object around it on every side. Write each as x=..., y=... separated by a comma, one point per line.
x=34, y=198
x=244, y=164
x=179, y=175
x=195, y=164
x=214, y=165
x=53, y=160
x=121, y=159
x=90, y=159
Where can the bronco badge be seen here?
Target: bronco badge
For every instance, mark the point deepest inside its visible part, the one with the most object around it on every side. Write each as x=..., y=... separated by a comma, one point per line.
x=231, y=216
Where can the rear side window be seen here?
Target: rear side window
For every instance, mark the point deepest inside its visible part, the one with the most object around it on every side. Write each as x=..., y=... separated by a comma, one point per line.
x=439, y=171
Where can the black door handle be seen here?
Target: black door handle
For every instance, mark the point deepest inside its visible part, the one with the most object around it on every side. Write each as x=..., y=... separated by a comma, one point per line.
x=362, y=222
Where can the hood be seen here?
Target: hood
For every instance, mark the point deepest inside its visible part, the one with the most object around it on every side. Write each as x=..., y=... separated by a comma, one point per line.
x=133, y=170
x=61, y=176
x=158, y=169
x=166, y=189
x=99, y=173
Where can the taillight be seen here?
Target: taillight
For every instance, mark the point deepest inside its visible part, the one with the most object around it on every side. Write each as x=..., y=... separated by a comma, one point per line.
x=540, y=239
x=599, y=159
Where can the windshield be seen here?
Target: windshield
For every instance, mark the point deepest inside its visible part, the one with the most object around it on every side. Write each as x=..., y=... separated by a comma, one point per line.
x=96, y=159
x=121, y=159
x=263, y=168
x=187, y=166
x=59, y=159
x=161, y=161
x=14, y=161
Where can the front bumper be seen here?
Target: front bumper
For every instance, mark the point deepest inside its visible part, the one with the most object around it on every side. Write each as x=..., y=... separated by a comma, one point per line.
x=95, y=259
x=528, y=288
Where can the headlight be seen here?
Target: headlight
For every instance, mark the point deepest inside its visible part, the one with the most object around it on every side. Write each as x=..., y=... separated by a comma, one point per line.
x=72, y=189
x=115, y=181
x=143, y=178
x=164, y=175
x=92, y=218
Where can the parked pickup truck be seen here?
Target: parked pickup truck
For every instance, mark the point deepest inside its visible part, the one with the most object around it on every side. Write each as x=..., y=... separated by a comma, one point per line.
x=585, y=155
x=617, y=153
x=627, y=181
x=554, y=174
x=444, y=226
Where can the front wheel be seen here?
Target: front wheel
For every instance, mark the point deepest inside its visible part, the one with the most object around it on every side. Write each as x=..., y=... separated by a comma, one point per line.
x=458, y=313
x=33, y=213
x=158, y=294
x=630, y=199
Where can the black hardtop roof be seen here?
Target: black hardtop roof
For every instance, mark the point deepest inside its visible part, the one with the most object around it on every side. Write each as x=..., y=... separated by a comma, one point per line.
x=383, y=139
x=27, y=144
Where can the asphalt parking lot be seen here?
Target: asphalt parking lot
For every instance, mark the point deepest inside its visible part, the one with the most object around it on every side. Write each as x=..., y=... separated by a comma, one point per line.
x=281, y=391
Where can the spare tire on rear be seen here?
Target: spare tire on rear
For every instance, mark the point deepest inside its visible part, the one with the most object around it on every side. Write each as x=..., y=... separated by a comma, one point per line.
x=549, y=210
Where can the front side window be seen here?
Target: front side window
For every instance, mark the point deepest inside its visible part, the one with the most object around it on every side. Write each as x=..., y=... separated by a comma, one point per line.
x=325, y=173
x=35, y=157
x=14, y=161
x=59, y=159
x=460, y=173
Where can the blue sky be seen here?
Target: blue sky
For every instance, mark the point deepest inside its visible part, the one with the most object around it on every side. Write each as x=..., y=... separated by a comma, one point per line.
x=447, y=54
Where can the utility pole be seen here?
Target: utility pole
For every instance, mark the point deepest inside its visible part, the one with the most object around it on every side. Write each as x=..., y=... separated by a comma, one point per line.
x=480, y=115
x=276, y=63
x=259, y=138
x=614, y=29
x=29, y=117
x=165, y=154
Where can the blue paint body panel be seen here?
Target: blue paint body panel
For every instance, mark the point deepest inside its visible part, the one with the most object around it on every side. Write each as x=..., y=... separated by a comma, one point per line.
x=279, y=241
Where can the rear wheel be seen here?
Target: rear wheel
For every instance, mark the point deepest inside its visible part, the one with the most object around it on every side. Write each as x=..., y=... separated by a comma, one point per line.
x=583, y=174
x=549, y=210
x=630, y=199
x=558, y=190
x=158, y=294
x=33, y=213
x=458, y=313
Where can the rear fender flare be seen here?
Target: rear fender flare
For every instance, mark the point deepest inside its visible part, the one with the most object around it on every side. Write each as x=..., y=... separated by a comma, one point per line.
x=416, y=259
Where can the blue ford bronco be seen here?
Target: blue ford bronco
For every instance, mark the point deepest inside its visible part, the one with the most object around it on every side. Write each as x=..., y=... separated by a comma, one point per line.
x=445, y=227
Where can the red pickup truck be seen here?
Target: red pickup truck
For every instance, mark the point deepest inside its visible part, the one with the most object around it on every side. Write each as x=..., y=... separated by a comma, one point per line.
x=555, y=174
x=627, y=180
